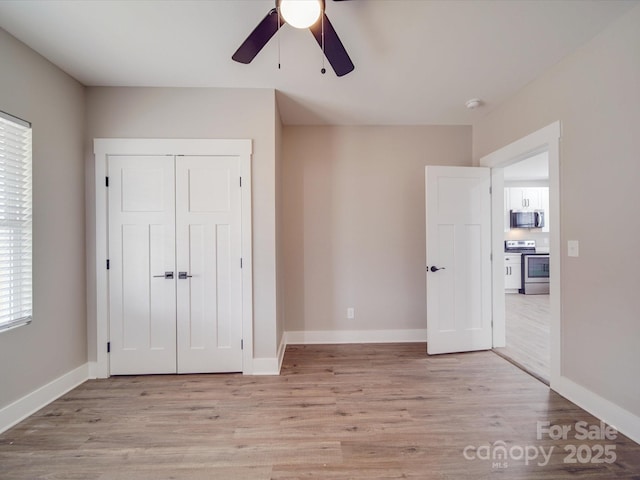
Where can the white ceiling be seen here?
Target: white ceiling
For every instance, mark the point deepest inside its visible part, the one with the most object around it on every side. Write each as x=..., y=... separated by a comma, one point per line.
x=417, y=61
x=532, y=168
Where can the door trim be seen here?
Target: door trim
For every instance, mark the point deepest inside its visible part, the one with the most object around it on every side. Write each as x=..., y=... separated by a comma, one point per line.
x=102, y=148
x=545, y=139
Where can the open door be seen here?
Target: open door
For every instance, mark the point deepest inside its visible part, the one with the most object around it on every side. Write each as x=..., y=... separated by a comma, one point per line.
x=458, y=225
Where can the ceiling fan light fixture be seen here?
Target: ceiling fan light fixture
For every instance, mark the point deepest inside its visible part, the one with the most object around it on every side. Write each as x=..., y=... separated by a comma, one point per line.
x=300, y=13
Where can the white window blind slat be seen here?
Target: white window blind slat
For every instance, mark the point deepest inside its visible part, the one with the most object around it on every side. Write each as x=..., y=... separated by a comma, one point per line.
x=15, y=222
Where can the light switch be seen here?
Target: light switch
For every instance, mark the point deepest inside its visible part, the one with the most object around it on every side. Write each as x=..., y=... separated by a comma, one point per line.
x=572, y=248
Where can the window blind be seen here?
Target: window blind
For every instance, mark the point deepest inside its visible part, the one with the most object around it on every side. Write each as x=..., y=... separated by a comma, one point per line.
x=15, y=222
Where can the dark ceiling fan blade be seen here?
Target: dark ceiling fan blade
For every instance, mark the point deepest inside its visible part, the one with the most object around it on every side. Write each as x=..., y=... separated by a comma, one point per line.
x=333, y=48
x=266, y=29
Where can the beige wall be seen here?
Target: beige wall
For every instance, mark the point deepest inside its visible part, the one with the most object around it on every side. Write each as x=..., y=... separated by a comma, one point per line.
x=354, y=228
x=199, y=113
x=55, y=342
x=595, y=93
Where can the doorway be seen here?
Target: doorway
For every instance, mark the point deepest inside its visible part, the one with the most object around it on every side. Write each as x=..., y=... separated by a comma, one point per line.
x=527, y=314
x=547, y=140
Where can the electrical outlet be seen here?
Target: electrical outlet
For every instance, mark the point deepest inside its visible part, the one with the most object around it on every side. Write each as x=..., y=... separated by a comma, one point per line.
x=351, y=313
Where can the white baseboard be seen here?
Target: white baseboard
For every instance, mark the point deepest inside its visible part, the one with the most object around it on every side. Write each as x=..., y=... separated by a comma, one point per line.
x=34, y=401
x=281, y=349
x=356, y=336
x=271, y=366
x=266, y=366
x=622, y=420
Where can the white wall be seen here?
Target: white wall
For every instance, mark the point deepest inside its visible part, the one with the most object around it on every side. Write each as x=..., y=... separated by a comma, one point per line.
x=199, y=113
x=354, y=223
x=55, y=342
x=595, y=94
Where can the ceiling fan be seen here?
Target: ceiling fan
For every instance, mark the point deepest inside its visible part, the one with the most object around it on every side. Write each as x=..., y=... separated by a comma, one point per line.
x=300, y=14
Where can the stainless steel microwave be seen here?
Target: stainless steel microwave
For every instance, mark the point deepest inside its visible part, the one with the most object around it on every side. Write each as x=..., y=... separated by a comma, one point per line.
x=527, y=218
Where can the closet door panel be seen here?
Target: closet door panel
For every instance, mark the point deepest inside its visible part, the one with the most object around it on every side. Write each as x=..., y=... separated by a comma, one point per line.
x=208, y=236
x=141, y=203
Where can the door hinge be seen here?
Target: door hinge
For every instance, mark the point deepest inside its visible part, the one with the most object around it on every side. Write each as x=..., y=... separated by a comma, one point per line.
x=106, y=181
x=490, y=190
x=108, y=264
x=240, y=181
x=108, y=347
x=491, y=257
x=240, y=262
x=241, y=344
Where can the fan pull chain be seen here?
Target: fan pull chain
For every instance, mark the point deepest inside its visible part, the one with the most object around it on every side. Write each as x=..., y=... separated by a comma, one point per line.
x=278, y=12
x=322, y=70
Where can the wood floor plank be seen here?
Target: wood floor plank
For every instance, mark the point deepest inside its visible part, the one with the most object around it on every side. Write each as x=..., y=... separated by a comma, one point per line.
x=336, y=412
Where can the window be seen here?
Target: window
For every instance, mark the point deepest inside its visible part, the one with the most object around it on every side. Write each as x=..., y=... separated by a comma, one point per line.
x=15, y=222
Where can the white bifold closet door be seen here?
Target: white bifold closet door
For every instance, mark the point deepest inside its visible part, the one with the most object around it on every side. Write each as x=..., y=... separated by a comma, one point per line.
x=175, y=302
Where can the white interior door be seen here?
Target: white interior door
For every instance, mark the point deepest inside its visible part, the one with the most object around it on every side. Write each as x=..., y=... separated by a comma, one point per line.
x=458, y=225
x=208, y=233
x=142, y=307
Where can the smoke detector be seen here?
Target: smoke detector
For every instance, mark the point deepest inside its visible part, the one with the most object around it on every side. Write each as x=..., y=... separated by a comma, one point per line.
x=473, y=103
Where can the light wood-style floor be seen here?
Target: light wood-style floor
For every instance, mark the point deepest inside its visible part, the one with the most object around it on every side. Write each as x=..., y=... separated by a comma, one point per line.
x=336, y=412
x=528, y=319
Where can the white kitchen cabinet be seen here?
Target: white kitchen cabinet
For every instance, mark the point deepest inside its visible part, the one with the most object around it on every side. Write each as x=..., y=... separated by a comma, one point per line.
x=525, y=198
x=512, y=273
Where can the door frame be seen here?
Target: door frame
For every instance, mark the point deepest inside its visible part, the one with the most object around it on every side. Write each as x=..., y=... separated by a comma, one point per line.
x=545, y=139
x=102, y=148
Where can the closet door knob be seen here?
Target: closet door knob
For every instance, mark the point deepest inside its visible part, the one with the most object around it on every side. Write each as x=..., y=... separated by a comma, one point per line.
x=166, y=276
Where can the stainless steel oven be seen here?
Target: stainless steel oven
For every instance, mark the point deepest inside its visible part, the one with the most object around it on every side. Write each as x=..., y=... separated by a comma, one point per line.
x=535, y=274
